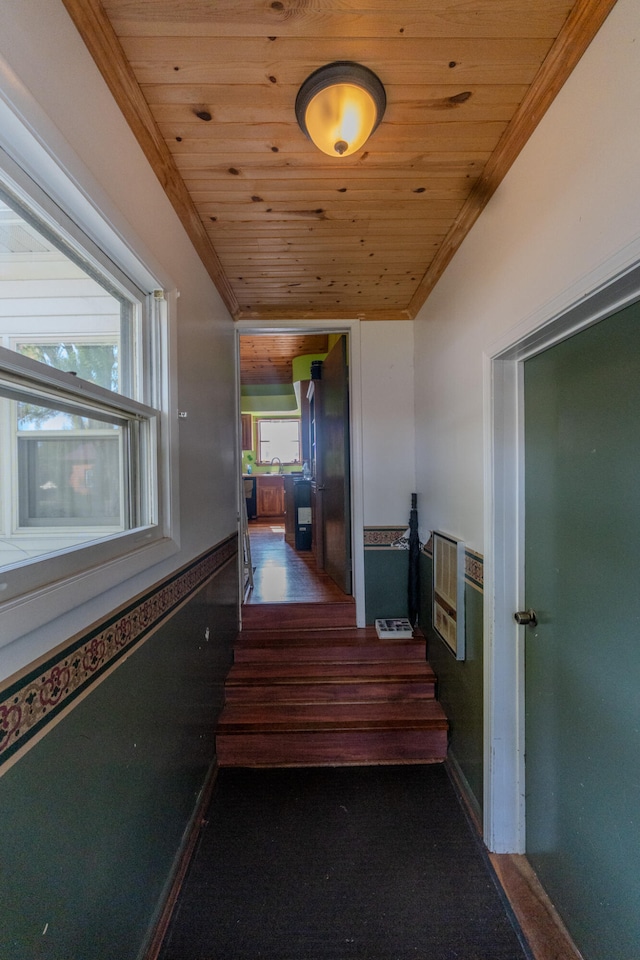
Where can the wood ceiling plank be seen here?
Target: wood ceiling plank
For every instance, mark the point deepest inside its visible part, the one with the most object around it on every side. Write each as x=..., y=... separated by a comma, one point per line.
x=300, y=52
x=322, y=260
x=331, y=273
x=262, y=109
x=326, y=231
x=190, y=96
x=448, y=69
x=393, y=134
x=417, y=190
x=411, y=209
x=336, y=183
x=235, y=140
x=301, y=312
x=442, y=163
x=362, y=18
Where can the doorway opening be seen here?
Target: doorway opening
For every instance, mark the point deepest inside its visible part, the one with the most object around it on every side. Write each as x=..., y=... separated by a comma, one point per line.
x=296, y=485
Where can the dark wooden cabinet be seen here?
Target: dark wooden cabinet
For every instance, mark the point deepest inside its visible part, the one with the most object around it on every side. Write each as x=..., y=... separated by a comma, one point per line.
x=246, y=431
x=289, y=510
x=270, y=493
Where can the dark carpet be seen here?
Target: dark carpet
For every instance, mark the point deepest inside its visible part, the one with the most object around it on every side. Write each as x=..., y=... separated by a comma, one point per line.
x=347, y=863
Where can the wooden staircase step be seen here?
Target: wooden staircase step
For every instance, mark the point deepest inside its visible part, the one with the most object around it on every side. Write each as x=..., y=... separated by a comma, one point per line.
x=315, y=691
x=276, y=635
x=332, y=651
x=292, y=672
x=326, y=682
x=303, y=694
x=340, y=613
x=422, y=715
x=340, y=733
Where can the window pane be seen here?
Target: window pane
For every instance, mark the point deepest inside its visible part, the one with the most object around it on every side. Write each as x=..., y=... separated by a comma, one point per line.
x=279, y=440
x=69, y=482
x=96, y=362
x=59, y=310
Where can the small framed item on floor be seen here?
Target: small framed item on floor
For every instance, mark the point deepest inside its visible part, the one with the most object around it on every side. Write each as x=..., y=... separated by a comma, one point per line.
x=396, y=628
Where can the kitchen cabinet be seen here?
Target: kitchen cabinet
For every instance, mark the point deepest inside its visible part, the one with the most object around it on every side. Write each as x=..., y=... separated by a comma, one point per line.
x=246, y=431
x=270, y=495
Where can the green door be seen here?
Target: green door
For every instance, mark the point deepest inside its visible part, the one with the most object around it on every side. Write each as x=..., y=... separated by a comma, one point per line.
x=582, y=662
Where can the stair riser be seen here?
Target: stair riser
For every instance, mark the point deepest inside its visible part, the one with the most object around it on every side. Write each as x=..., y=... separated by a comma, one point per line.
x=315, y=692
x=331, y=749
x=380, y=653
x=298, y=615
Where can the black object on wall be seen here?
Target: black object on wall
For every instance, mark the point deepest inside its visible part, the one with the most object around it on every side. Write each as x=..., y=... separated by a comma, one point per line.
x=414, y=563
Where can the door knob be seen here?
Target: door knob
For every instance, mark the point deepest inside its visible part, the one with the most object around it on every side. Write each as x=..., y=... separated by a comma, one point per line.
x=526, y=618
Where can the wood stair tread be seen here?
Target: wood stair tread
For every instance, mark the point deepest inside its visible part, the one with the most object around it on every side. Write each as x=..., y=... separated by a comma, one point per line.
x=345, y=652
x=406, y=715
x=296, y=636
x=257, y=672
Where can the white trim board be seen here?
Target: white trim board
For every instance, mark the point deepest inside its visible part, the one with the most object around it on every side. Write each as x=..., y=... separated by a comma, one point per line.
x=504, y=790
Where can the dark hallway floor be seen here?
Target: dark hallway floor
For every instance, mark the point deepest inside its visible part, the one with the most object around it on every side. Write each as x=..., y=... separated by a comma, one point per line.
x=349, y=863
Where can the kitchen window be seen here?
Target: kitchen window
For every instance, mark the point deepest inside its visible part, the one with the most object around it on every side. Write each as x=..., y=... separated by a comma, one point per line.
x=279, y=440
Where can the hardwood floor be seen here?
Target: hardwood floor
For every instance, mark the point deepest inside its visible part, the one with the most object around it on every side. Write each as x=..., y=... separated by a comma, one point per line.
x=283, y=574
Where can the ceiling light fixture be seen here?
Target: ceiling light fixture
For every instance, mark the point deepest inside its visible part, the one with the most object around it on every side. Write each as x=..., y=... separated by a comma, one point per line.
x=339, y=106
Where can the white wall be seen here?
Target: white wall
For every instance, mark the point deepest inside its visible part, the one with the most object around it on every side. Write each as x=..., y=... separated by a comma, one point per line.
x=566, y=218
x=388, y=434
x=48, y=69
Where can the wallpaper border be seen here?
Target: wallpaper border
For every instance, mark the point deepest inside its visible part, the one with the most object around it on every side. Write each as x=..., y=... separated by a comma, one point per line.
x=30, y=702
x=393, y=538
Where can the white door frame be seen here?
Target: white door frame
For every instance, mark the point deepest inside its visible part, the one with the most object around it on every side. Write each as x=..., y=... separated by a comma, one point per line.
x=504, y=790
x=352, y=328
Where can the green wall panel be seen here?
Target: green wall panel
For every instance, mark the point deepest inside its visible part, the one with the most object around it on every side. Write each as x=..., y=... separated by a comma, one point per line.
x=94, y=814
x=386, y=583
x=460, y=682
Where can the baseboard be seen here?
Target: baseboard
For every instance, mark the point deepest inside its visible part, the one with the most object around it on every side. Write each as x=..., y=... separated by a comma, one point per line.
x=545, y=934
x=462, y=788
x=159, y=927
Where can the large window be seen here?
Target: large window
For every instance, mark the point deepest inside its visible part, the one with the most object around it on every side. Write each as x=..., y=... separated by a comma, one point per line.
x=279, y=440
x=79, y=424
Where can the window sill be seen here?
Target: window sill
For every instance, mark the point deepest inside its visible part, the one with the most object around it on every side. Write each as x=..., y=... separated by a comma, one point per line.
x=22, y=614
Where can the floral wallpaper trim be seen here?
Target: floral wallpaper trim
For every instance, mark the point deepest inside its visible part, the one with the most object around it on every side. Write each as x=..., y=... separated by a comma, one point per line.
x=388, y=538
x=30, y=703
x=382, y=538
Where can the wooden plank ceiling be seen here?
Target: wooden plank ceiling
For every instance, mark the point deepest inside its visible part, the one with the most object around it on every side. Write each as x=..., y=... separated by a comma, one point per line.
x=268, y=358
x=209, y=86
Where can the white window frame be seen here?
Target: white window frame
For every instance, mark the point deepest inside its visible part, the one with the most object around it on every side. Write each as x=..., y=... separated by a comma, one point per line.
x=54, y=585
x=260, y=421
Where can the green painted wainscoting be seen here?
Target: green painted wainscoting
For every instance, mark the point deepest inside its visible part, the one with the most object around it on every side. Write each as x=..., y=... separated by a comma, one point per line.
x=386, y=574
x=94, y=814
x=460, y=682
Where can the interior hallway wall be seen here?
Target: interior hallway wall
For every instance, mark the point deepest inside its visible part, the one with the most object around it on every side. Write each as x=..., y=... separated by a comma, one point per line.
x=565, y=219
x=94, y=813
x=74, y=111
x=388, y=454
